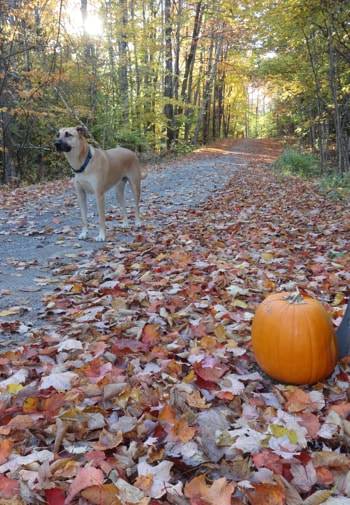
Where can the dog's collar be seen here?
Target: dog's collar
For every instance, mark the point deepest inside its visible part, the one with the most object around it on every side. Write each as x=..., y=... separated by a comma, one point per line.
x=85, y=164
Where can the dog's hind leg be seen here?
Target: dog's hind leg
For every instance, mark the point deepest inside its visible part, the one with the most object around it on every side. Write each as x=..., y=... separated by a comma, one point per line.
x=121, y=200
x=135, y=184
x=100, y=199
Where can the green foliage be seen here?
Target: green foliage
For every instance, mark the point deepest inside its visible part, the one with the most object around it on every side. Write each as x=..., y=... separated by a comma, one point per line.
x=294, y=162
x=132, y=140
x=335, y=185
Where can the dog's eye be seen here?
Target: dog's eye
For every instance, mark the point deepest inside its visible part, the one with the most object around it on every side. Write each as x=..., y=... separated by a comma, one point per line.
x=68, y=134
x=57, y=135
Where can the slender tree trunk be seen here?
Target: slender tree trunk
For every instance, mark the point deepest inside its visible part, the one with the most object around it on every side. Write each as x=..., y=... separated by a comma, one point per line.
x=177, y=66
x=187, y=82
x=341, y=141
x=123, y=63
x=168, y=80
x=216, y=41
x=318, y=101
x=9, y=171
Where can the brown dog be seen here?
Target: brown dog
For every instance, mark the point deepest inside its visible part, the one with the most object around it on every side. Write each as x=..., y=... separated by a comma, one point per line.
x=96, y=171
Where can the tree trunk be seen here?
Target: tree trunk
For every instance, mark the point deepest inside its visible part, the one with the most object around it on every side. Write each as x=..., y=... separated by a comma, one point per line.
x=123, y=64
x=186, y=87
x=168, y=79
x=318, y=101
x=212, y=66
x=341, y=140
x=177, y=66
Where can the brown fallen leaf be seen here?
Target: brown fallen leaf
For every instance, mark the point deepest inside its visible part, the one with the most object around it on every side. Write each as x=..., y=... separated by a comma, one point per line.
x=106, y=494
x=5, y=449
x=297, y=400
x=331, y=460
x=266, y=494
x=219, y=493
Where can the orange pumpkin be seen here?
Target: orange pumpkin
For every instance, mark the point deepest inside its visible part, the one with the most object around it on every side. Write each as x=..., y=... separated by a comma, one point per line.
x=293, y=339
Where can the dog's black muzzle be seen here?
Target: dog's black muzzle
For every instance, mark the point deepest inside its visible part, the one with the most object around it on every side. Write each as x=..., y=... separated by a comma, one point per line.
x=62, y=147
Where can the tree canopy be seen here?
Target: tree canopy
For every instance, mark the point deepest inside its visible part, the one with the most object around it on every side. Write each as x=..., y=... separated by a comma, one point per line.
x=168, y=74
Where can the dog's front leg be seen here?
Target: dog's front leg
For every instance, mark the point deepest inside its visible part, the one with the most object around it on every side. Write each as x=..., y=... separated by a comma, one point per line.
x=100, y=199
x=83, y=209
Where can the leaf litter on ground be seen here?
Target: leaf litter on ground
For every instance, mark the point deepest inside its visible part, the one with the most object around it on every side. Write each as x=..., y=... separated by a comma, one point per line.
x=147, y=391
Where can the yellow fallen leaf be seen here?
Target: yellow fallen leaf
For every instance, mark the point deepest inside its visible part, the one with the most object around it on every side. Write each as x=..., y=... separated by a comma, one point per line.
x=10, y=312
x=267, y=256
x=14, y=388
x=30, y=405
x=240, y=303
x=220, y=333
x=338, y=299
x=189, y=377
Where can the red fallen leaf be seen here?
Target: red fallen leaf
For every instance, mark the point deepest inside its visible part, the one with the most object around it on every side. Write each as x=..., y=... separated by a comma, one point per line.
x=54, y=496
x=9, y=488
x=266, y=494
x=210, y=386
x=270, y=460
x=210, y=369
x=311, y=423
x=96, y=370
x=199, y=330
x=52, y=404
x=96, y=457
x=225, y=395
x=304, y=457
x=150, y=334
x=5, y=449
x=200, y=493
x=86, y=477
x=126, y=346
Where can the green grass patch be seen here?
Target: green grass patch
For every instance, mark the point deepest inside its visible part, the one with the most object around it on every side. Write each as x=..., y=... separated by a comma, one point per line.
x=293, y=162
x=336, y=185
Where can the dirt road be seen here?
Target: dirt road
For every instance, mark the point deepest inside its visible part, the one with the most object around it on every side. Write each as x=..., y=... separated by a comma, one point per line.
x=39, y=224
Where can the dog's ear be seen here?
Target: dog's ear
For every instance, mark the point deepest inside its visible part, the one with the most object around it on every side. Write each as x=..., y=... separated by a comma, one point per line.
x=82, y=130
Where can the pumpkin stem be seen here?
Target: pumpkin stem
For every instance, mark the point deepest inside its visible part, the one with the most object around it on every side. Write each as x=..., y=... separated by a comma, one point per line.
x=295, y=297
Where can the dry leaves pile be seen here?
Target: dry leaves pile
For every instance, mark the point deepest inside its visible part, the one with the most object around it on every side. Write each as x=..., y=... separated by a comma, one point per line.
x=147, y=391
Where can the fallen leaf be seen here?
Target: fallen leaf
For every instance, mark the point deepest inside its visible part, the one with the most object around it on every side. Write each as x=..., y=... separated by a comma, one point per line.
x=86, y=477
x=219, y=493
x=60, y=381
x=9, y=488
x=6, y=446
x=160, y=474
x=54, y=496
x=266, y=494
x=106, y=494
x=331, y=460
x=304, y=477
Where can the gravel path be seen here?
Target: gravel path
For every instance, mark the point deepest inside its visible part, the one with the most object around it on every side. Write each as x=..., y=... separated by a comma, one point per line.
x=38, y=241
